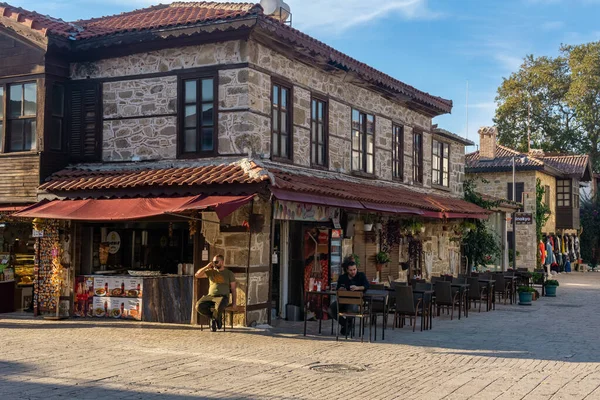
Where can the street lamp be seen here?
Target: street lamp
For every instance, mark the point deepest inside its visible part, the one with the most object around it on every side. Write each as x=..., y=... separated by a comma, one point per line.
x=522, y=160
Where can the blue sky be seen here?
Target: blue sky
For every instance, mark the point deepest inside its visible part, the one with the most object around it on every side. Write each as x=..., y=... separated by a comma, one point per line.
x=434, y=45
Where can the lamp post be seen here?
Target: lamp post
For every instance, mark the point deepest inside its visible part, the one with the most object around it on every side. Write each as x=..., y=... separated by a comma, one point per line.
x=521, y=159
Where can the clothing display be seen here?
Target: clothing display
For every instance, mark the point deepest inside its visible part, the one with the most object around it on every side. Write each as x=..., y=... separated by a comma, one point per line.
x=542, y=253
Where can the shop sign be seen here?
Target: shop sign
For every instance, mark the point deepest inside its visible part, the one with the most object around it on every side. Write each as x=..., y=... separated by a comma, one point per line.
x=37, y=234
x=114, y=242
x=523, y=218
x=292, y=211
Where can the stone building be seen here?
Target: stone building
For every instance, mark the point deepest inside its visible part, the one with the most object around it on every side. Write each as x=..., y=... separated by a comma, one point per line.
x=286, y=141
x=560, y=175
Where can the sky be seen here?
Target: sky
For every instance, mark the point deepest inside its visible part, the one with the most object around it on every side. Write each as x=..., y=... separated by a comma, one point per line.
x=434, y=45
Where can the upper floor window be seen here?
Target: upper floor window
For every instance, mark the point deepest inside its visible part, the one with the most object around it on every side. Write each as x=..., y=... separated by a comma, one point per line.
x=519, y=188
x=21, y=117
x=563, y=193
x=1, y=117
x=318, y=132
x=56, y=138
x=281, y=122
x=440, y=163
x=398, y=151
x=418, y=157
x=363, y=142
x=199, y=110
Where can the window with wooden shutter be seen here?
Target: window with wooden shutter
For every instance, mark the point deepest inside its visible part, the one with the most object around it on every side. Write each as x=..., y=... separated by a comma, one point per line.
x=520, y=188
x=85, y=127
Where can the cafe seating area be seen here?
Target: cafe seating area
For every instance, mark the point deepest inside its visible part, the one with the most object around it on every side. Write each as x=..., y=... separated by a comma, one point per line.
x=413, y=304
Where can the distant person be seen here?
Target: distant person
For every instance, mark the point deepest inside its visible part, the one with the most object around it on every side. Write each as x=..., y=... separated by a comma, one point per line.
x=354, y=281
x=222, y=283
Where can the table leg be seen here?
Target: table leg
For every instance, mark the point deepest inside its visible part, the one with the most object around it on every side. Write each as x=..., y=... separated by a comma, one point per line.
x=494, y=296
x=460, y=294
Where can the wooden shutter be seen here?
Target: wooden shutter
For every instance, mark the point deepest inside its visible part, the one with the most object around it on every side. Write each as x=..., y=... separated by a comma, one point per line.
x=85, y=122
x=520, y=187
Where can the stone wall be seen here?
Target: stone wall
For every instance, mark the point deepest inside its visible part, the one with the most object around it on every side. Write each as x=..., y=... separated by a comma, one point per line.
x=164, y=60
x=496, y=186
x=140, y=97
x=146, y=138
x=547, y=180
x=234, y=247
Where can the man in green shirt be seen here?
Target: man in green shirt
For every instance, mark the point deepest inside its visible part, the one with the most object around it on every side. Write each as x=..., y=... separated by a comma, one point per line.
x=222, y=282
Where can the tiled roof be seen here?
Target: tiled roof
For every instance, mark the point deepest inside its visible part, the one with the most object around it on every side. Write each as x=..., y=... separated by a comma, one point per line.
x=569, y=164
x=182, y=14
x=452, y=136
x=372, y=193
x=558, y=164
x=101, y=178
x=160, y=16
x=502, y=202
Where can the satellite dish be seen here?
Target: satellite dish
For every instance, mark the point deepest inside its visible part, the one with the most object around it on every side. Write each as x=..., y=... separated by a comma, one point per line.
x=276, y=8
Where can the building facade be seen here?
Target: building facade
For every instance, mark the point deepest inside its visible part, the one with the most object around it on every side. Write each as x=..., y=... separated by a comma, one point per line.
x=301, y=144
x=559, y=175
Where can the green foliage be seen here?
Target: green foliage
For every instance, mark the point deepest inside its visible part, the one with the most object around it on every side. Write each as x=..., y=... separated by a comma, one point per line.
x=542, y=210
x=480, y=243
x=590, y=223
x=557, y=98
x=551, y=282
x=526, y=289
x=382, y=258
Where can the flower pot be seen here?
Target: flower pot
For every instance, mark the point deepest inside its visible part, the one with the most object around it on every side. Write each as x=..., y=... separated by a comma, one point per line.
x=525, y=298
x=379, y=267
x=368, y=227
x=551, y=291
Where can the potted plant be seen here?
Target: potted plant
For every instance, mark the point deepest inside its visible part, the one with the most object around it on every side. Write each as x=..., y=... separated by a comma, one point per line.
x=368, y=219
x=551, y=285
x=536, y=295
x=381, y=259
x=525, y=295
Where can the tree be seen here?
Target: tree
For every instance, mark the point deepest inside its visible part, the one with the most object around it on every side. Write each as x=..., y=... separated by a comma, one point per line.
x=558, y=99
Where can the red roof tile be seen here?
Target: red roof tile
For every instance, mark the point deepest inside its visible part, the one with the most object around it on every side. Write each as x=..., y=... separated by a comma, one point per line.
x=79, y=179
x=372, y=193
x=569, y=164
x=36, y=21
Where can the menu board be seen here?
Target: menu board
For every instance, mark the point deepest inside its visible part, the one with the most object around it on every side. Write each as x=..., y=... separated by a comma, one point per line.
x=109, y=297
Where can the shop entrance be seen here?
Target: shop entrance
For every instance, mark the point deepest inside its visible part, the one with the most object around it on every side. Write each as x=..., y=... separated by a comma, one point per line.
x=17, y=258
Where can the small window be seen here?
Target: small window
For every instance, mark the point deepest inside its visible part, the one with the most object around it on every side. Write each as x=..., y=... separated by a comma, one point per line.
x=56, y=139
x=440, y=163
x=198, y=135
x=398, y=152
x=21, y=118
x=520, y=188
x=281, y=122
x=417, y=157
x=547, y=195
x=318, y=133
x=363, y=142
x=563, y=193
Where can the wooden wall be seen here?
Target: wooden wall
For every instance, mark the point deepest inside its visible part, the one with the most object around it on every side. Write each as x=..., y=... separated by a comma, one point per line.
x=19, y=178
x=19, y=58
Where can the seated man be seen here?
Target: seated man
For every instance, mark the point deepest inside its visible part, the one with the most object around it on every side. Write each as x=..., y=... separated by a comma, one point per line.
x=222, y=282
x=354, y=281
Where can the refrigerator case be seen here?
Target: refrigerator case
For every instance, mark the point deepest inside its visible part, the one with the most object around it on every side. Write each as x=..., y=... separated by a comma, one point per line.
x=336, y=255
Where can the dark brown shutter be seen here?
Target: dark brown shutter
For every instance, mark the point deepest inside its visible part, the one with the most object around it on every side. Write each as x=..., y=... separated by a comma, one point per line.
x=85, y=126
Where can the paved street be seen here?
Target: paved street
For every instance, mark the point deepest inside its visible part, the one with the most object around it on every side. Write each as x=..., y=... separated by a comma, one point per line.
x=549, y=350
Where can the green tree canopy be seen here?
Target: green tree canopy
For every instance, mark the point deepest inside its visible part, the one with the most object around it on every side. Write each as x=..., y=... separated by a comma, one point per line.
x=558, y=99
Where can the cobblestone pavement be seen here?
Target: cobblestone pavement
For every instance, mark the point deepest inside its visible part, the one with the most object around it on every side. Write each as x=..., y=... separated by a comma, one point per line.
x=548, y=351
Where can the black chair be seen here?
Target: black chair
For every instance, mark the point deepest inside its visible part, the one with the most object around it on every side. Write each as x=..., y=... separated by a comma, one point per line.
x=448, y=278
x=445, y=298
x=376, y=286
x=349, y=298
x=405, y=305
x=436, y=279
x=477, y=292
x=502, y=287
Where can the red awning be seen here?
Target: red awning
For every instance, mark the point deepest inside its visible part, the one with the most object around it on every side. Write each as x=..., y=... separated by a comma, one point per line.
x=391, y=208
x=316, y=199
x=130, y=209
x=11, y=209
x=223, y=205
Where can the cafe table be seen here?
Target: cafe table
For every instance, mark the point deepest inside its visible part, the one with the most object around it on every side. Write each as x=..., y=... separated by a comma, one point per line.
x=463, y=290
x=491, y=301
x=319, y=314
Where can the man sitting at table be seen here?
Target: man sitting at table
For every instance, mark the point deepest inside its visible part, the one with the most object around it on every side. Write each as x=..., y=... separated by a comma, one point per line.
x=354, y=281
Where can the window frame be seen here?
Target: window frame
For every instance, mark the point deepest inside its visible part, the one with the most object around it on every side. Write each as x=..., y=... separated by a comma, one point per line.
x=398, y=152
x=6, y=133
x=281, y=84
x=181, y=80
x=363, y=152
x=441, y=172
x=417, y=154
x=313, y=135
x=566, y=192
x=3, y=110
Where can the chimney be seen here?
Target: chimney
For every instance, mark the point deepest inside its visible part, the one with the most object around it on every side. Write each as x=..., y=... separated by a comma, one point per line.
x=487, y=142
x=537, y=153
